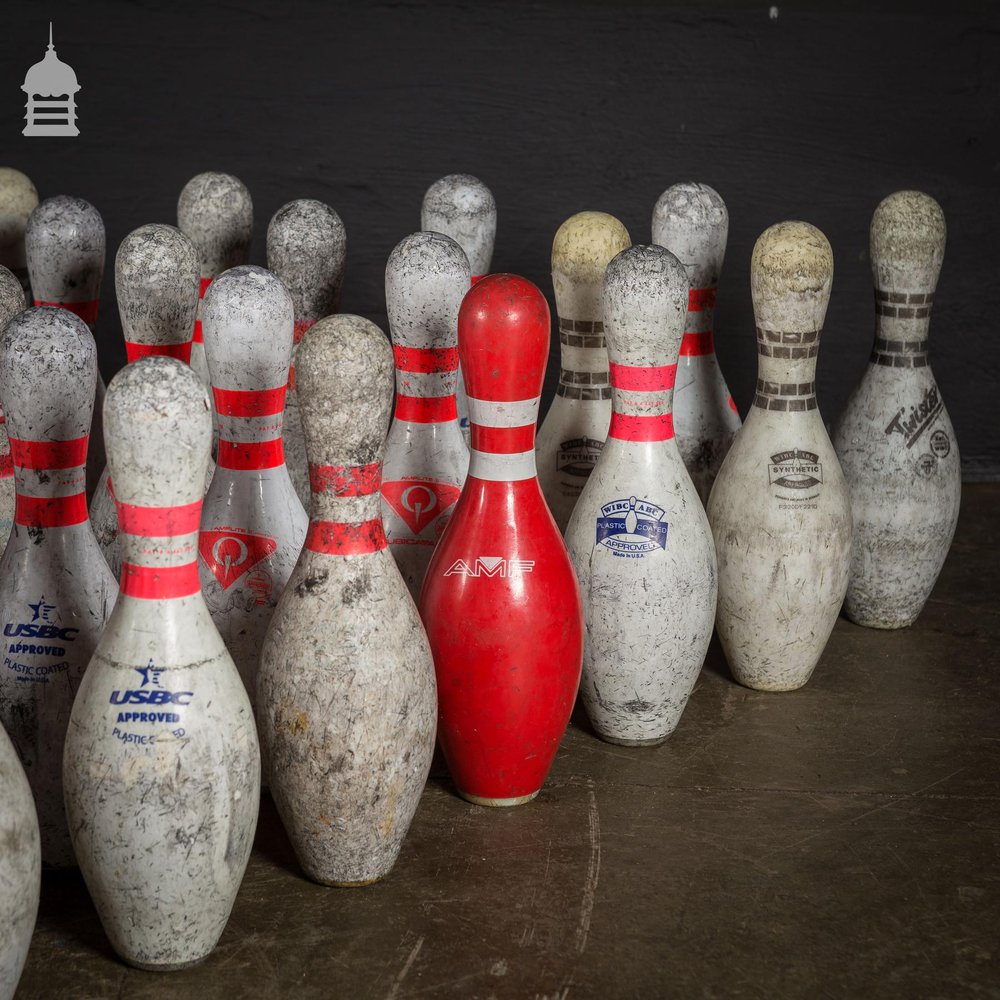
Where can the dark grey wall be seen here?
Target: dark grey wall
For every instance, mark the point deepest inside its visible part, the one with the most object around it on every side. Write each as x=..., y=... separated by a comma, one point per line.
x=816, y=113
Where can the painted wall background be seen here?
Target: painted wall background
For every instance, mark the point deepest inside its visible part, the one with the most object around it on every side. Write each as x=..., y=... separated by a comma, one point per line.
x=812, y=110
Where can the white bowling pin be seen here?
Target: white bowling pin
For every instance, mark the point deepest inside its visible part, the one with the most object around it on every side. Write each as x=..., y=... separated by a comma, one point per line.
x=156, y=280
x=346, y=695
x=426, y=459
x=18, y=199
x=307, y=249
x=639, y=538
x=215, y=212
x=20, y=867
x=462, y=206
x=162, y=768
x=780, y=510
x=64, y=247
x=253, y=524
x=12, y=302
x=573, y=431
x=894, y=439
x=692, y=222
x=56, y=590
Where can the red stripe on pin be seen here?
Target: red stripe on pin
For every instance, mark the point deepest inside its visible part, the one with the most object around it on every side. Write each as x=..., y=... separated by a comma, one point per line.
x=346, y=480
x=475, y=278
x=87, y=311
x=135, y=351
x=159, y=522
x=298, y=331
x=50, y=512
x=639, y=378
x=629, y=427
x=6, y=465
x=336, y=538
x=251, y=455
x=428, y=360
x=159, y=583
x=697, y=344
x=700, y=299
x=49, y=454
x=426, y=409
x=732, y=406
x=198, y=337
x=503, y=440
x=203, y=286
x=249, y=402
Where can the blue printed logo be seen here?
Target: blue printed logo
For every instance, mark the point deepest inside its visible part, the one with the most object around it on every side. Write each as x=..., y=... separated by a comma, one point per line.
x=631, y=528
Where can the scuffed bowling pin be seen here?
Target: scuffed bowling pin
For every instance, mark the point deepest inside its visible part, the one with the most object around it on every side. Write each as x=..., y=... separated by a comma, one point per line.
x=12, y=302
x=253, y=524
x=56, y=590
x=307, y=249
x=346, y=694
x=162, y=766
x=573, y=431
x=895, y=440
x=426, y=459
x=156, y=279
x=20, y=867
x=639, y=538
x=779, y=510
x=500, y=598
x=692, y=222
x=18, y=199
x=64, y=245
x=215, y=212
x=462, y=206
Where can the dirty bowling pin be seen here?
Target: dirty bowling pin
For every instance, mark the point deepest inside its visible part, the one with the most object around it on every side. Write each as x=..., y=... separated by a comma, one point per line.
x=779, y=510
x=573, y=431
x=307, y=250
x=894, y=439
x=18, y=199
x=64, y=247
x=215, y=212
x=639, y=538
x=462, y=206
x=56, y=590
x=346, y=693
x=162, y=766
x=692, y=222
x=426, y=459
x=253, y=524
x=12, y=302
x=156, y=280
x=500, y=598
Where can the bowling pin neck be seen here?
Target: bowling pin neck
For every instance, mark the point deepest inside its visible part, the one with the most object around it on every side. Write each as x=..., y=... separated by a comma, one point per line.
x=250, y=428
x=50, y=479
x=786, y=369
x=503, y=439
x=642, y=401
x=159, y=550
x=698, y=337
x=583, y=371
x=426, y=378
x=902, y=323
x=345, y=516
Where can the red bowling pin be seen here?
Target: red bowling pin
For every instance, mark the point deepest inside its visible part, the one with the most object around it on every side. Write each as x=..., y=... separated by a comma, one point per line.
x=500, y=601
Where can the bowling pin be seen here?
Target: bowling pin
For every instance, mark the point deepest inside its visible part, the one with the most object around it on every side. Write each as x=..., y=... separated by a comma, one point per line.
x=692, y=222
x=307, y=249
x=11, y=303
x=156, y=280
x=64, y=246
x=346, y=694
x=56, y=590
x=18, y=199
x=500, y=598
x=639, y=538
x=574, y=429
x=894, y=439
x=779, y=509
x=253, y=525
x=215, y=212
x=426, y=459
x=462, y=206
x=162, y=766
x=20, y=867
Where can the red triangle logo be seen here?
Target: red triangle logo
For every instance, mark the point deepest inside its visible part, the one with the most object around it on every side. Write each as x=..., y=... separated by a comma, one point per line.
x=419, y=502
x=231, y=553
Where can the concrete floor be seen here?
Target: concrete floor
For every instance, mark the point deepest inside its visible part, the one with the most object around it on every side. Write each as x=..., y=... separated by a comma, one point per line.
x=839, y=841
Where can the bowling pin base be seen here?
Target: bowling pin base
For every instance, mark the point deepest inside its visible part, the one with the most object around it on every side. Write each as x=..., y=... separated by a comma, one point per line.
x=349, y=885
x=479, y=800
x=164, y=967
x=858, y=616
x=654, y=741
